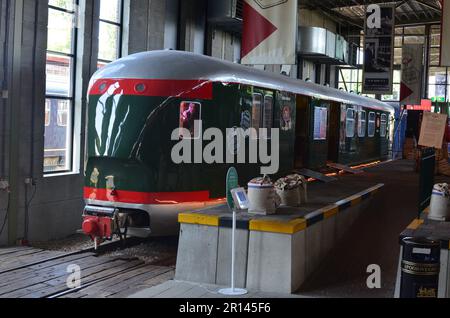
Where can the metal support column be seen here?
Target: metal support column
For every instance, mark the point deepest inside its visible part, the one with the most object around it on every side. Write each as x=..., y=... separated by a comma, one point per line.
x=14, y=105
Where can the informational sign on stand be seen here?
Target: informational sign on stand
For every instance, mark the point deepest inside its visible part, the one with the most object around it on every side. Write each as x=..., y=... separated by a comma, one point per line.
x=433, y=130
x=232, y=183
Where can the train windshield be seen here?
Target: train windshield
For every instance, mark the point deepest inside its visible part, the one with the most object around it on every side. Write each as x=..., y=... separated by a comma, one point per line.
x=115, y=123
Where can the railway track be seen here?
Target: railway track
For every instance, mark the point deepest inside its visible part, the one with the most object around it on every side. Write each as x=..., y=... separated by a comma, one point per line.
x=33, y=273
x=107, y=247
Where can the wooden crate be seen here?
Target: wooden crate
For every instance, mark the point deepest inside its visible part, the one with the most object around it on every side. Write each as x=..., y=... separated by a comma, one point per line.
x=410, y=149
x=444, y=167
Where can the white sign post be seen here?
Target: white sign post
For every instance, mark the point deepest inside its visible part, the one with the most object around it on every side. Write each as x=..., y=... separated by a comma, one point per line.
x=233, y=291
x=232, y=184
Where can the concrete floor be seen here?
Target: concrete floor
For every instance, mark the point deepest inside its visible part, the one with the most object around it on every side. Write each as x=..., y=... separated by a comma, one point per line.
x=373, y=238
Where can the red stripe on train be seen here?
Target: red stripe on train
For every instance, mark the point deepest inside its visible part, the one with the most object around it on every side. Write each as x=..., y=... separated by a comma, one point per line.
x=198, y=89
x=132, y=197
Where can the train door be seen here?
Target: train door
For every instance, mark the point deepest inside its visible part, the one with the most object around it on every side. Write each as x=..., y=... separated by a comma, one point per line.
x=301, y=131
x=334, y=132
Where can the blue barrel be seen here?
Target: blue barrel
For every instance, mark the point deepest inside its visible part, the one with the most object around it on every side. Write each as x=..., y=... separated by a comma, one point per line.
x=420, y=268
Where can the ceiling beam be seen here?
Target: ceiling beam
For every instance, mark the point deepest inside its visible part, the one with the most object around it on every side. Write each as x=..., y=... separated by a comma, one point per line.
x=409, y=22
x=344, y=4
x=338, y=17
x=398, y=5
x=429, y=6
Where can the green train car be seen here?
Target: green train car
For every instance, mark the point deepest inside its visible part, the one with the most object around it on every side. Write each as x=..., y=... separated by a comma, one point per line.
x=133, y=186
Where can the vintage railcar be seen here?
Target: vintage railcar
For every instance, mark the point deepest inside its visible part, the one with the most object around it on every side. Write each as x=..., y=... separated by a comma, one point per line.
x=136, y=103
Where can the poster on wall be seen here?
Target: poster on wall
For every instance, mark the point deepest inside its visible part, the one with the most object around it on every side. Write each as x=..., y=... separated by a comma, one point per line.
x=432, y=130
x=411, y=82
x=378, y=49
x=269, y=32
x=445, y=32
x=320, y=123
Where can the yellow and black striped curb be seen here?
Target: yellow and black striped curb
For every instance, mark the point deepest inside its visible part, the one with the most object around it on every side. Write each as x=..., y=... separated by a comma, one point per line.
x=414, y=230
x=276, y=224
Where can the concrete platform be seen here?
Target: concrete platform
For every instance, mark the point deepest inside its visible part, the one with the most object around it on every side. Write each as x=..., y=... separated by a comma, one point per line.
x=276, y=254
x=186, y=290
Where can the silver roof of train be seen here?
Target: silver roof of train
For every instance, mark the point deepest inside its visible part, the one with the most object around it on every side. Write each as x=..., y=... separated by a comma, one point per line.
x=189, y=66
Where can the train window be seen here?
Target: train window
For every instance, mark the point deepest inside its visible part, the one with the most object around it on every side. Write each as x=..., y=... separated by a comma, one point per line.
x=268, y=115
x=190, y=112
x=350, y=123
x=372, y=120
x=63, y=113
x=383, y=126
x=256, y=113
x=48, y=114
x=362, y=124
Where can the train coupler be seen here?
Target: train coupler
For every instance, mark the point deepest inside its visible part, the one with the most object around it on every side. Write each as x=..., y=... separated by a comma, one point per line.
x=100, y=224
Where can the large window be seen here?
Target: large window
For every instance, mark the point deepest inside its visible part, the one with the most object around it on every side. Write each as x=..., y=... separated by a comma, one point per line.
x=350, y=80
x=60, y=85
x=110, y=34
x=438, y=77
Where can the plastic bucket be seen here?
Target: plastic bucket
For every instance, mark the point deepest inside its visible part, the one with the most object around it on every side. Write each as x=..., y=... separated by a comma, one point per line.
x=439, y=205
x=262, y=198
x=290, y=197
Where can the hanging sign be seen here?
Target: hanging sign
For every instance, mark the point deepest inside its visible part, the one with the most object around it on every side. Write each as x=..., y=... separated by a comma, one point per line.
x=379, y=49
x=270, y=32
x=411, y=83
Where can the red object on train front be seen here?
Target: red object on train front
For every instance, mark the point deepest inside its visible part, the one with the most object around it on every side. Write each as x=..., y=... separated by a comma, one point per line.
x=98, y=227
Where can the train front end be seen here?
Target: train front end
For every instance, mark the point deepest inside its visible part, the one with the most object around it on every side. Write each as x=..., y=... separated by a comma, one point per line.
x=117, y=182
x=132, y=187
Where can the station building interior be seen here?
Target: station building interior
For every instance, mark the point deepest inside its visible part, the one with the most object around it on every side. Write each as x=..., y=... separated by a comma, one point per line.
x=362, y=205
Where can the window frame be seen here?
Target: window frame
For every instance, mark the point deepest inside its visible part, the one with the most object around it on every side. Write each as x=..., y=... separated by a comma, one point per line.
x=60, y=123
x=120, y=25
x=48, y=103
x=347, y=119
x=69, y=160
x=362, y=134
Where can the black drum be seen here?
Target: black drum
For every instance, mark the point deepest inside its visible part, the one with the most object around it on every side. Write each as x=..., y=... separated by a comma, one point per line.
x=420, y=268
